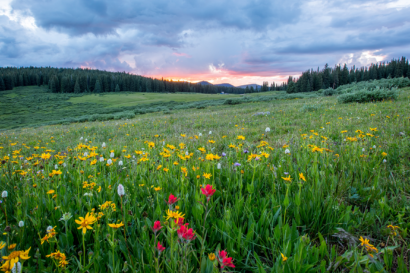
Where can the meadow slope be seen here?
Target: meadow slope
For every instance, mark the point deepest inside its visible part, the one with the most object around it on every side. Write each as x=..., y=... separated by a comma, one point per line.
x=311, y=186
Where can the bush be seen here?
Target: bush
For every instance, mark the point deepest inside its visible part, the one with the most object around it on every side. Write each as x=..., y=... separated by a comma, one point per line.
x=368, y=96
x=233, y=101
x=329, y=92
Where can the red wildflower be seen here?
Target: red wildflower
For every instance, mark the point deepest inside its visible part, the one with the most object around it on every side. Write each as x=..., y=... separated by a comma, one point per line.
x=227, y=262
x=179, y=222
x=222, y=254
x=160, y=248
x=208, y=191
x=156, y=227
x=186, y=233
x=172, y=199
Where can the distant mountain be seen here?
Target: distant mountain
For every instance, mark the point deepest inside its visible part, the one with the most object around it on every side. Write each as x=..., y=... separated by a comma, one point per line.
x=224, y=84
x=204, y=83
x=253, y=85
x=230, y=85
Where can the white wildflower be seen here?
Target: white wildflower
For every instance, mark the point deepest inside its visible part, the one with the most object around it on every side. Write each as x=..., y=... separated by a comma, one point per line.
x=16, y=268
x=120, y=163
x=66, y=216
x=101, y=159
x=21, y=224
x=267, y=129
x=109, y=161
x=287, y=151
x=121, y=190
x=4, y=194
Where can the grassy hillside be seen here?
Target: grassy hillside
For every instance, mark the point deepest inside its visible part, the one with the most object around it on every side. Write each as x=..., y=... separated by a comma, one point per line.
x=33, y=105
x=325, y=190
x=133, y=99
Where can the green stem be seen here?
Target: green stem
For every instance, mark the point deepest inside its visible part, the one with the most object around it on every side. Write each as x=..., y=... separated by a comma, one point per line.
x=84, y=248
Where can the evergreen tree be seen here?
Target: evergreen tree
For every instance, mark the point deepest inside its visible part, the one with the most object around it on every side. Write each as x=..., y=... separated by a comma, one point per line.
x=399, y=70
x=53, y=86
x=106, y=84
x=291, y=87
x=77, y=88
x=65, y=85
x=56, y=84
x=345, y=75
x=97, y=88
x=117, y=88
x=326, y=77
x=2, y=85
x=308, y=87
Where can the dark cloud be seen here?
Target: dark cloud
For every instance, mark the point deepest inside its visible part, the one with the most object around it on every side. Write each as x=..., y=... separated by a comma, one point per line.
x=78, y=17
x=237, y=37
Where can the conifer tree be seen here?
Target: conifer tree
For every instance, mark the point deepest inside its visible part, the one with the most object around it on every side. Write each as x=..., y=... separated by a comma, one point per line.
x=97, y=88
x=308, y=87
x=117, y=88
x=2, y=85
x=77, y=88
x=53, y=86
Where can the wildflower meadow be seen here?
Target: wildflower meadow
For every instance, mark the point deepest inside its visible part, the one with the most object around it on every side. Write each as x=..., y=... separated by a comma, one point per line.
x=259, y=187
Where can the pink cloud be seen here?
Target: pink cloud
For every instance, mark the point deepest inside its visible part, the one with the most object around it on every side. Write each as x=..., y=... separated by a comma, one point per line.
x=181, y=54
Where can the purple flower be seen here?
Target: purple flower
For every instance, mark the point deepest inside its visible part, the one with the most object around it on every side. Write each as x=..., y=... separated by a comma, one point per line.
x=245, y=151
x=223, y=154
x=286, y=173
x=257, y=158
x=237, y=164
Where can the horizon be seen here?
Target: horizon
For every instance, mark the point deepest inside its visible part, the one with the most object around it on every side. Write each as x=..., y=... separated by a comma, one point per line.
x=240, y=43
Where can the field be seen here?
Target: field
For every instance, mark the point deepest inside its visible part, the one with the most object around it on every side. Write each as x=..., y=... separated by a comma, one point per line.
x=133, y=99
x=33, y=105
x=312, y=186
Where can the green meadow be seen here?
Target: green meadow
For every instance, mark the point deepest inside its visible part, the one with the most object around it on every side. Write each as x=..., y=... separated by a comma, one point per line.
x=33, y=106
x=314, y=185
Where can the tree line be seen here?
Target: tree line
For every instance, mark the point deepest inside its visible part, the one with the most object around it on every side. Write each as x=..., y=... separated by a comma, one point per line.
x=334, y=77
x=68, y=80
x=79, y=80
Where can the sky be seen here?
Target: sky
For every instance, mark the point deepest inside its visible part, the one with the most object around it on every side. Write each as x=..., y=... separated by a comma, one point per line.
x=235, y=41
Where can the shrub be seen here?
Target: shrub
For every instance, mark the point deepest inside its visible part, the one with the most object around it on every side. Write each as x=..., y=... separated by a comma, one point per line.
x=368, y=96
x=233, y=101
x=329, y=92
